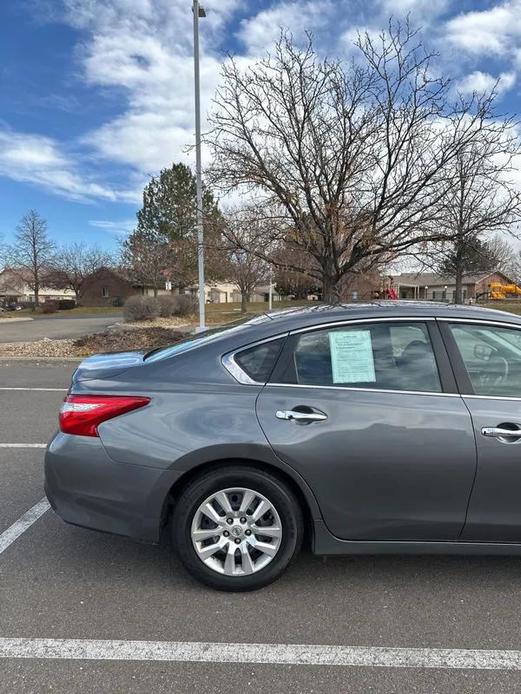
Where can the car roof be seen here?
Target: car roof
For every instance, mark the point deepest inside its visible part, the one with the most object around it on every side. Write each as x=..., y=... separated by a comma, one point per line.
x=292, y=318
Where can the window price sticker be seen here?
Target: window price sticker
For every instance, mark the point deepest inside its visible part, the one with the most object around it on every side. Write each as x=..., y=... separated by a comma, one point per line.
x=352, y=358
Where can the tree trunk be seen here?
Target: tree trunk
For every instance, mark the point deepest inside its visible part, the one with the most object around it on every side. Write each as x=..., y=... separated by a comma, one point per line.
x=244, y=300
x=459, y=274
x=36, y=296
x=329, y=289
x=459, y=286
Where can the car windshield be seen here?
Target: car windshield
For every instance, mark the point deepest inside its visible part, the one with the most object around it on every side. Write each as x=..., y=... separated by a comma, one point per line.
x=197, y=340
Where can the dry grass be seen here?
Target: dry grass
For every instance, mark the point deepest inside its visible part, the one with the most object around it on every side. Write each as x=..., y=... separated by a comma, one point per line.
x=116, y=340
x=168, y=323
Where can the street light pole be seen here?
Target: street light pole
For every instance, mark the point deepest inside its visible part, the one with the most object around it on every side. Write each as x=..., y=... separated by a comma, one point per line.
x=198, y=11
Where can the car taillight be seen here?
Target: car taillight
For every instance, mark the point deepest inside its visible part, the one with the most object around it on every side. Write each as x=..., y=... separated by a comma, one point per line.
x=82, y=414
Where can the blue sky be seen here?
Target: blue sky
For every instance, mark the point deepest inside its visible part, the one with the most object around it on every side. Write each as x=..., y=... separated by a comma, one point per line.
x=96, y=95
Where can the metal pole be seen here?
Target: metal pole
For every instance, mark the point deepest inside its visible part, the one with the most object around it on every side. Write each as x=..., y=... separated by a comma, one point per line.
x=199, y=196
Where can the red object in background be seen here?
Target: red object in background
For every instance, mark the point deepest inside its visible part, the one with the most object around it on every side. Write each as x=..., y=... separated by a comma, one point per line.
x=391, y=294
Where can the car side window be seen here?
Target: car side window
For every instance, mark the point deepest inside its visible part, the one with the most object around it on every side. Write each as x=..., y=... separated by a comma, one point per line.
x=258, y=361
x=492, y=358
x=393, y=356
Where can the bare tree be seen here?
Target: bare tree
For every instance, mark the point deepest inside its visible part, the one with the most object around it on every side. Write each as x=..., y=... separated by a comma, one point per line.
x=508, y=258
x=246, y=268
x=482, y=200
x=290, y=282
x=72, y=264
x=353, y=159
x=31, y=254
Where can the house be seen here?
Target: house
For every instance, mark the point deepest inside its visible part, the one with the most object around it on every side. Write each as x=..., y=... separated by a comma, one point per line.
x=106, y=287
x=226, y=292
x=360, y=286
x=430, y=286
x=14, y=288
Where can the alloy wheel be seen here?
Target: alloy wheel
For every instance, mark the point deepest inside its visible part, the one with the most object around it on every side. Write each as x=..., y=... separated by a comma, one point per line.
x=236, y=531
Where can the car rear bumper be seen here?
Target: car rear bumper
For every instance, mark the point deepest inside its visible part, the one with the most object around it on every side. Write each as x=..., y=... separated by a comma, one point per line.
x=87, y=488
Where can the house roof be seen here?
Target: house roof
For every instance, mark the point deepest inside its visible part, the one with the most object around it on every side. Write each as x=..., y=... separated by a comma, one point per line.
x=430, y=279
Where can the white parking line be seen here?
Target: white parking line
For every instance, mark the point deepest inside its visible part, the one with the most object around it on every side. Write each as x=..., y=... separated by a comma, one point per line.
x=45, y=390
x=22, y=524
x=260, y=653
x=23, y=445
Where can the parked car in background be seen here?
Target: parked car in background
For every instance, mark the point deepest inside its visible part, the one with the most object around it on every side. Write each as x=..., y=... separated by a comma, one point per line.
x=389, y=427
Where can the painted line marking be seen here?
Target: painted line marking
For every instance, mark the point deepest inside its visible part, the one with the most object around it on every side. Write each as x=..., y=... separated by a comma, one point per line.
x=45, y=390
x=23, y=523
x=260, y=653
x=23, y=445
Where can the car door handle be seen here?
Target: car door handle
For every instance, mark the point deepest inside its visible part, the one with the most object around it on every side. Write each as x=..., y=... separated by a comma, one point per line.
x=499, y=433
x=300, y=416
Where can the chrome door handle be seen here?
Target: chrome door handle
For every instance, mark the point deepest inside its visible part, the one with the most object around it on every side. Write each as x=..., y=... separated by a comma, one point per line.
x=300, y=416
x=499, y=433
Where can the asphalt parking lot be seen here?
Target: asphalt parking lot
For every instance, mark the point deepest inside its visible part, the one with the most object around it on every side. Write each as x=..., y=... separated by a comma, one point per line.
x=73, y=601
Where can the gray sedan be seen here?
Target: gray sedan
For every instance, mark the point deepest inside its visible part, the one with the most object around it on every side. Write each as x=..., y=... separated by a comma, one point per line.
x=386, y=427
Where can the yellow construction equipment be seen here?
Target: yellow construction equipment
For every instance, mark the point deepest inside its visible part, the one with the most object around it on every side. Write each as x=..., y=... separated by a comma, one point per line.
x=503, y=291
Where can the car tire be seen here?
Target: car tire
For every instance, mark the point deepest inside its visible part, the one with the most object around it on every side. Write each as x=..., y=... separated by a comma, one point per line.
x=284, y=508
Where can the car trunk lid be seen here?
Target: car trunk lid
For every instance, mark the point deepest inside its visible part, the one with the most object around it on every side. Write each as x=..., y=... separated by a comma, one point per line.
x=101, y=366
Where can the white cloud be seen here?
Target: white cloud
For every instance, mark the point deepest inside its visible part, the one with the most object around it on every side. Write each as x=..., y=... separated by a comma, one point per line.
x=145, y=49
x=118, y=228
x=36, y=159
x=495, y=31
x=258, y=32
x=481, y=82
x=419, y=10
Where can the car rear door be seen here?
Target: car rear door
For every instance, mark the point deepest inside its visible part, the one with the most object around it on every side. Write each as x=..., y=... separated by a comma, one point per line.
x=487, y=363
x=367, y=412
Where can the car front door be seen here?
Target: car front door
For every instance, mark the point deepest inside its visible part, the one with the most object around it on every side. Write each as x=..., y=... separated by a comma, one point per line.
x=367, y=412
x=487, y=363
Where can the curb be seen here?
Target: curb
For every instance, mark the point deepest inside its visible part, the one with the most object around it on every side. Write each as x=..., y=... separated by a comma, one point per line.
x=28, y=358
x=15, y=320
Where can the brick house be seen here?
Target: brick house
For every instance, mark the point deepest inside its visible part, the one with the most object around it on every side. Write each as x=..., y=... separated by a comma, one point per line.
x=361, y=286
x=106, y=287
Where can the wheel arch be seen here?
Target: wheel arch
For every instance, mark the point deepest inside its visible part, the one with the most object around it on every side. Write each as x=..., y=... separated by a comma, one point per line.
x=298, y=486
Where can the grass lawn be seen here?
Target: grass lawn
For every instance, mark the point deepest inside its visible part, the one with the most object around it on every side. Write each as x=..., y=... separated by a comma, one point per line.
x=226, y=312
x=67, y=313
x=509, y=306
x=223, y=313
x=86, y=310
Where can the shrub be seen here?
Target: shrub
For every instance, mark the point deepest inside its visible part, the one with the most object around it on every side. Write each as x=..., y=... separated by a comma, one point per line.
x=141, y=308
x=48, y=307
x=167, y=305
x=66, y=304
x=185, y=305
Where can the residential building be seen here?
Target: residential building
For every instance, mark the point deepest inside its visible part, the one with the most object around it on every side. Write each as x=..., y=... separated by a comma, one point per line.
x=106, y=287
x=430, y=286
x=226, y=292
x=14, y=288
